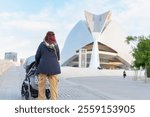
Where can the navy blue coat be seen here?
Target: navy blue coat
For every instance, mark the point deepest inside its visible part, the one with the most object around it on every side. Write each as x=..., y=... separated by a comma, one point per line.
x=47, y=60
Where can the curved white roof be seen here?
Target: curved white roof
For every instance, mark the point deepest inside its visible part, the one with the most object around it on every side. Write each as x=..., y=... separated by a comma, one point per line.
x=77, y=38
x=114, y=37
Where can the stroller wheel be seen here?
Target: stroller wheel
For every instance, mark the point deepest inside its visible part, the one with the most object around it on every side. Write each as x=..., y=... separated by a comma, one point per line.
x=22, y=92
x=47, y=93
x=27, y=95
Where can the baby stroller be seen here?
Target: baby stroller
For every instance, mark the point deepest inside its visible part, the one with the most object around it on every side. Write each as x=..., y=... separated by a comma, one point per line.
x=30, y=83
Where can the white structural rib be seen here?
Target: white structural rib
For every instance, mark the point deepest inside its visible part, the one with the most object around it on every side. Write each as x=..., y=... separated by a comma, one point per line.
x=95, y=59
x=96, y=24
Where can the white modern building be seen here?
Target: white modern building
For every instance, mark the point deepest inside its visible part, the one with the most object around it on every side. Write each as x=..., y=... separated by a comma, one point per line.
x=11, y=56
x=97, y=42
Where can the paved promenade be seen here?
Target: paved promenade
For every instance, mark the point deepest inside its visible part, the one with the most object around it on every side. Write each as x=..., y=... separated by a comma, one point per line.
x=79, y=88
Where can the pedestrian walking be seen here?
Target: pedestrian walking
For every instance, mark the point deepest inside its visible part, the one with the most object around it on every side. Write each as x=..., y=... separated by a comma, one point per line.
x=47, y=60
x=124, y=74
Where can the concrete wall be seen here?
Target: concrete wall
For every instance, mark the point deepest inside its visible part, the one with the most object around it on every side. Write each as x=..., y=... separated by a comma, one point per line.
x=69, y=72
x=5, y=65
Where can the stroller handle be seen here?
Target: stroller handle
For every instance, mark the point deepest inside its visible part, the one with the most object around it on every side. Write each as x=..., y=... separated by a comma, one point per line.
x=31, y=68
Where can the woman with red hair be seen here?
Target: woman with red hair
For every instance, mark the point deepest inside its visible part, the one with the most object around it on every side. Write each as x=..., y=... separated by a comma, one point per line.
x=47, y=59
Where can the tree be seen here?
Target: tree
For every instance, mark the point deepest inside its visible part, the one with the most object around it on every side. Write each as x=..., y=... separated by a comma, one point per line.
x=141, y=51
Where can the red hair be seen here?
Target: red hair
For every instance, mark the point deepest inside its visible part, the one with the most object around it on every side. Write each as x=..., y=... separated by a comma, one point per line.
x=50, y=37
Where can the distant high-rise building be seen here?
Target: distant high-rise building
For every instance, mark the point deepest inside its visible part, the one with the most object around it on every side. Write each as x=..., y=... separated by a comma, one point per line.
x=97, y=42
x=11, y=56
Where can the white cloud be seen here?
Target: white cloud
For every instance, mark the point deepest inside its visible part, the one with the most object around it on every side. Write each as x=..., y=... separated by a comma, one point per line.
x=24, y=21
x=12, y=44
x=135, y=18
x=27, y=24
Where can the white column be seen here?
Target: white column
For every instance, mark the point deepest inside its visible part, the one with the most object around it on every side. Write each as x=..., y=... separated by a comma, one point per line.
x=95, y=60
x=82, y=58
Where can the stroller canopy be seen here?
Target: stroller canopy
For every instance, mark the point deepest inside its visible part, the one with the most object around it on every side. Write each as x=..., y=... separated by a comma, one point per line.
x=29, y=61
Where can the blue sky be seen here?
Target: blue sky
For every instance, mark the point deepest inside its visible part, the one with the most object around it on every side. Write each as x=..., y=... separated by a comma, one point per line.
x=23, y=23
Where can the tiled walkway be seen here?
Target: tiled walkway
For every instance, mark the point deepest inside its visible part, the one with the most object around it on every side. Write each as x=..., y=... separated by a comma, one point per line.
x=84, y=88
